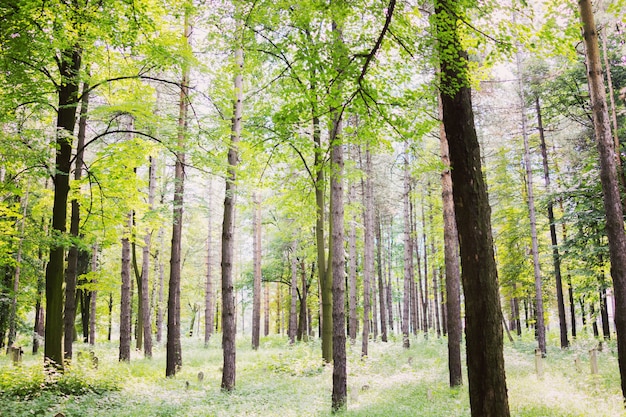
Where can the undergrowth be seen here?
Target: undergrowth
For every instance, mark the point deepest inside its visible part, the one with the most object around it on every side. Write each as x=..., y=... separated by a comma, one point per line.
x=291, y=380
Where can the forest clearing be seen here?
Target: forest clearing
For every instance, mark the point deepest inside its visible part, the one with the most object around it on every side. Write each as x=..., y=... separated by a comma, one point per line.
x=290, y=381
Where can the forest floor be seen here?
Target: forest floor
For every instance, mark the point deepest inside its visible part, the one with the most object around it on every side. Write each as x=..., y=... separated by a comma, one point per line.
x=282, y=380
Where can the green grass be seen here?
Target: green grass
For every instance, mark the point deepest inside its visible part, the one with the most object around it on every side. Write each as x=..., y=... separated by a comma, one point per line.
x=282, y=380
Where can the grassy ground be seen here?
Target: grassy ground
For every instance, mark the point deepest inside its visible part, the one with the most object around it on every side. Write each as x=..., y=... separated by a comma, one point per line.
x=282, y=380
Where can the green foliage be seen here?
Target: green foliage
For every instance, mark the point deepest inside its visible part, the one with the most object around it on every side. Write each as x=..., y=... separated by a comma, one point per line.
x=26, y=383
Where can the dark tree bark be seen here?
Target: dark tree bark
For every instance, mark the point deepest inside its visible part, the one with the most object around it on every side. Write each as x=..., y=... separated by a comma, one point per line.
x=174, y=358
x=453, y=270
x=93, y=299
x=292, y=329
x=608, y=177
x=408, y=258
x=483, y=314
x=340, y=387
x=229, y=323
x=352, y=302
x=256, y=291
x=381, y=286
x=556, y=257
x=368, y=258
x=125, y=298
x=71, y=273
x=69, y=67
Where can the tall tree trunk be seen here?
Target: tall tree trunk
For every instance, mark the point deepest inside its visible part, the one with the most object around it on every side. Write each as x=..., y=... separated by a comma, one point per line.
x=608, y=177
x=408, y=256
x=16, y=276
x=145, y=267
x=483, y=314
x=540, y=326
x=293, y=296
x=159, y=309
x=556, y=258
x=352, y=301
x=266, y=319
x=256, y=290
x=93, y=299
x=451, y=257
x=174, y=358
x=389, y=269
x=303, y=319
x=381, y=286
x=337, y=257
x=229, y=324
x=69, y=67
x=39, y=311
x=368, y=258
x=208, y=292
x=125, y=298
x=426, y=323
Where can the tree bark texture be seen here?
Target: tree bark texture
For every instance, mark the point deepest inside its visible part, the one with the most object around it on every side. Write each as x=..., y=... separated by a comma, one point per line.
x=408, y=256
x=174, y=358
x=556, y=257
x=69, y=67
x=125, y=298
x=483, y=314
x=539, y=323
x=340, y=387
x=368, y=257
x=292, y=329
x=256, y=290
x=381, y=286
x=608, y=177
x=454, y=324
x=352, y=301
x=229, y=324
x=145, y=266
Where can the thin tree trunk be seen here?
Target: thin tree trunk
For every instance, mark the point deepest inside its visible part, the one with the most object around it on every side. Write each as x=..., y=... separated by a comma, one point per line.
x=159, y=309
x=208, y=292
x=381, y=286
x=352, y=301
x=256, y=290
x=93, y=300
x=368, y=258
x=483, y=314
x=69, y=67
x=425, y=311
x=556, y=258
x=145, y=267
x=229, y=324
x=407, y=252
x=540, y=326
x=608, y=177
x=266, y=327
x=572, y=305
x=16, y=276
x=174, y=360
x=293, y=296
x=39, y=311
x=125, y=298
x=110, y=326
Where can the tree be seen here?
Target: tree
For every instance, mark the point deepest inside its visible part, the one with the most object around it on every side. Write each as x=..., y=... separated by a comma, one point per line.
x=453, y=271
x=229, y=329
x=483, y=315
x=539, y=323
x=256, y=291
x=174, y=353
x=125, y=298
x=608, y=177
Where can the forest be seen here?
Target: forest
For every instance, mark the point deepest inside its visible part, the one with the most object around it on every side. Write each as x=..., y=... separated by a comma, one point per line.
x=359, y=207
